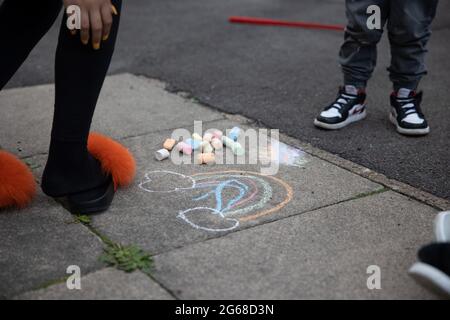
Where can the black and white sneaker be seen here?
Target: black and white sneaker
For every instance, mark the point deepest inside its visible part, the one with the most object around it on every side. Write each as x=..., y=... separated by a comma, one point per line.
x=406, y=114
x=433, y=270
x=347, y=108
x=442, y=227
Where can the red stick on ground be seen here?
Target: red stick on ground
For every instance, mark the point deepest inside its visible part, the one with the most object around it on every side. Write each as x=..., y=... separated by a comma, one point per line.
x=297, y=24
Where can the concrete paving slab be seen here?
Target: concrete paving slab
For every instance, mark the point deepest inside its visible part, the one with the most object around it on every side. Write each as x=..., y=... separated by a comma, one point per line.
x=158, y=217
x=39, y=243
x=106, y=284
x=320, y=254
x=128, y=106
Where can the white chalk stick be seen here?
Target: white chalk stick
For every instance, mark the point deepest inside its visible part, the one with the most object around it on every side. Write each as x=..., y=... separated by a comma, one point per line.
x=162, y=154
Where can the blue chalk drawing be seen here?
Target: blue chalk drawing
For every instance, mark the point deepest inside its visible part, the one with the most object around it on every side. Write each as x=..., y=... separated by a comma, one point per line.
x=214, y=186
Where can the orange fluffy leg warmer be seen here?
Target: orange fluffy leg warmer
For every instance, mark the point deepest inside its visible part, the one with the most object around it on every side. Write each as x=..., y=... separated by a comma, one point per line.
x=114, y=158
x=17, y=184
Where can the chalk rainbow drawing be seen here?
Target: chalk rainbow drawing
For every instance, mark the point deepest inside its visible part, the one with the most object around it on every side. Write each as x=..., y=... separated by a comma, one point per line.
x=253, y=195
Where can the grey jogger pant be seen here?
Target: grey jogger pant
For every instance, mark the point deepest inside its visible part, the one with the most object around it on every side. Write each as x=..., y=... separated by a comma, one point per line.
x=408, y=25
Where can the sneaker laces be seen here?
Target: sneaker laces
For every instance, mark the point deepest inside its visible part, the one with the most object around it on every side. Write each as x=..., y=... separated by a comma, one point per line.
x=408, y=106
x=341, y=100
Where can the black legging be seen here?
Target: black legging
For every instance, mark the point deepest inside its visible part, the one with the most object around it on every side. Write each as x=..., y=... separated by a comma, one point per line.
x=79, y=74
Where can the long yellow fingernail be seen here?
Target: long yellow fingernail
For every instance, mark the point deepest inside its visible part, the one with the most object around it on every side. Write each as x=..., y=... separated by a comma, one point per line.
x=96, y=45
x=105, y=37
x=114, y=10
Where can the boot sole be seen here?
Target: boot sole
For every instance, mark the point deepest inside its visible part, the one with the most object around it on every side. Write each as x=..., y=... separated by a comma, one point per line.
x=100, y=204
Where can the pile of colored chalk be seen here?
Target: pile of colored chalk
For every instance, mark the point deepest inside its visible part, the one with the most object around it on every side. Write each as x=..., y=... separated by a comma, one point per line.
x=212, y=141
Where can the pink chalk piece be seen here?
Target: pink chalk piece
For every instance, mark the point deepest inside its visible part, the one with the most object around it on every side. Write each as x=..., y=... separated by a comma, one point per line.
x=187, y=150
x=217, y=144
x=184, y=147
x=179, y=146
x=217, y=134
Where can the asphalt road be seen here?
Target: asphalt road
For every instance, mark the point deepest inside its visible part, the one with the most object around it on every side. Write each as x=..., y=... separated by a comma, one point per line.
x=279, y=76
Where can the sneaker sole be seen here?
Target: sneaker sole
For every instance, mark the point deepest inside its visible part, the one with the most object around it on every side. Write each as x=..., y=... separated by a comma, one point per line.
x=431, y=278
x=408, y=132
x=441, y=230
x=340, y=125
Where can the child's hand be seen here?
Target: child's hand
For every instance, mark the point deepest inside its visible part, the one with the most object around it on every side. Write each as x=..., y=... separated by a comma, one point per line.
x=96, y=20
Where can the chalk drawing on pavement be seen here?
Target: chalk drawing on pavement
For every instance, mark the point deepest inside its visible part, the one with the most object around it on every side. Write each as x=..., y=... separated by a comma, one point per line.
x=232, y=196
